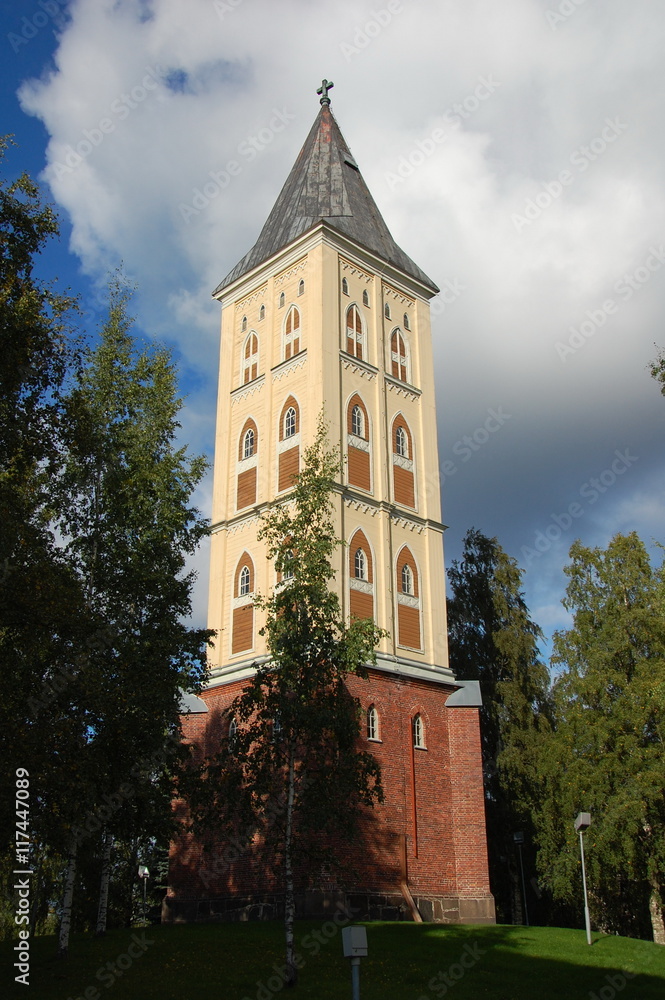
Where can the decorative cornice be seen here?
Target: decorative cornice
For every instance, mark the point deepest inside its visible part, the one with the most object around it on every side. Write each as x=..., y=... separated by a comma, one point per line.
x=353, y=504
x=362, y=368
x=355, y=270
x=397, y=666
x=401, y=388
x=284, y=367
x=364, y=586
x=237, y=526
x=404, y=463
x=299, y=265
x=388, y=290
x=243, y=391
x=406, y=522
x=406, y=668
x=258, y=293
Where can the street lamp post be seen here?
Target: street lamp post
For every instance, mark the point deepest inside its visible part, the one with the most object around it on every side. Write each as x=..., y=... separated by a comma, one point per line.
x=518, y=838
x=582, y=823
x=143, y=874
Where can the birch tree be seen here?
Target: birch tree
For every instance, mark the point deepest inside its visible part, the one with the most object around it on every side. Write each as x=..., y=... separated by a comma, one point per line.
x=124, y=503
x=293, y=767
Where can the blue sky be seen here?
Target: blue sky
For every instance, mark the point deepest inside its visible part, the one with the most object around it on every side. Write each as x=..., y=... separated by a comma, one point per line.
x=516, y=153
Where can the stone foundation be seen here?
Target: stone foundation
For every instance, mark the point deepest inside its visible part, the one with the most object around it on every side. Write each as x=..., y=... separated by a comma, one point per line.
x=323, y=904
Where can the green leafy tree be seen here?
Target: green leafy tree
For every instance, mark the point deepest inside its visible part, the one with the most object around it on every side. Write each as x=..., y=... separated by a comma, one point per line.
x=294, y=769
x=606, y=755
x=42, y=609
x=125, y=514
x=657, y=369
x=493, y=640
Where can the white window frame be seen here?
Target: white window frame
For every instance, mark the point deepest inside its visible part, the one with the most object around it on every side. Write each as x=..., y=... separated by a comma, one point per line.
x=357, y=336
x=250, y=436
x=293, y=334
x=401, y=442
x=372, y=724
x=357, y=421
x=248, y=361
x=397, y=357
x=290, y=426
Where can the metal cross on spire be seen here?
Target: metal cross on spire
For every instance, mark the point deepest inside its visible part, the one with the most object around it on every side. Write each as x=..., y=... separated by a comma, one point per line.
x=326, y=85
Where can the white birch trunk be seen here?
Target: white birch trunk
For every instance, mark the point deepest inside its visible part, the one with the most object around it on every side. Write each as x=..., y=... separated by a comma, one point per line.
x=655, y=897
x=289, y=902
x=104, y=884
x=656, y=913
x=66, y=918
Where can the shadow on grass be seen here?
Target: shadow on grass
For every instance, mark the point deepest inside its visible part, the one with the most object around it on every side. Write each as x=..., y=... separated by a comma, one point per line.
x=405, y=962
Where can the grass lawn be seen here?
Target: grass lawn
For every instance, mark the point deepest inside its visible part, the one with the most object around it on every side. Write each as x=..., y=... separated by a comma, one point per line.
x=406, y=962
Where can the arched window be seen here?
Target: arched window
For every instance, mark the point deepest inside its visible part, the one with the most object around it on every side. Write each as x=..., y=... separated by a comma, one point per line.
x=287, y=571
x=251, y=358
x=282, y=299
x=407, y=585
x=301, y=287
x=354, y=332
x=401, y=442
x=248, y=446
x=398, y=356
x=418, y=732
x=404, y=481
x=372, y=723
x=365, y=297
x=345, y=286
x=386, y=310
x=361, y=577
x=357, y=422
x=359, y=447
x=292, y=333
x=262, y=312
x=407, y=325
x=248, y=443
x=290, y=423
x=244, y=324
x=288, y=447
x=233, y=729
x=242, y=630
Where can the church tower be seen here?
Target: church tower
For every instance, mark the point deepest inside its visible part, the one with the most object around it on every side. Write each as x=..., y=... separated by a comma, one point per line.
x=327, y=313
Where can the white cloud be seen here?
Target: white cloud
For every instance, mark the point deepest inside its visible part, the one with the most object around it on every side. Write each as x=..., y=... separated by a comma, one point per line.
x=219, y=74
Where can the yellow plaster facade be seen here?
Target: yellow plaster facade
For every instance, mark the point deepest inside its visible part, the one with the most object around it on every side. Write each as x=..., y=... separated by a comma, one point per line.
x=322, y=274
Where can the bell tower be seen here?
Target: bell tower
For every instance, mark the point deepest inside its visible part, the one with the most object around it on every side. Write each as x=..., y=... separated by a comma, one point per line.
x=326, y=312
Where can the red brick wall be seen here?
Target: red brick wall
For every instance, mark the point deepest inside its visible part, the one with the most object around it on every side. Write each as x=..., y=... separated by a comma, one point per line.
x=468, y=798
x=451, y=857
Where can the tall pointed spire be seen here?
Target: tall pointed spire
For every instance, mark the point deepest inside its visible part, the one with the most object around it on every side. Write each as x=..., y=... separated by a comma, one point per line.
x=325, y=185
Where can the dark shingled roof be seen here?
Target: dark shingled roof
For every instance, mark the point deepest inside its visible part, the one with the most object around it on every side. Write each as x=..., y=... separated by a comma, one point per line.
x=326, y=185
